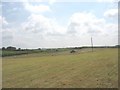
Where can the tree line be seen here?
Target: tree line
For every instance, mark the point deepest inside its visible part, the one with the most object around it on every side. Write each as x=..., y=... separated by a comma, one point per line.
x=19, y=49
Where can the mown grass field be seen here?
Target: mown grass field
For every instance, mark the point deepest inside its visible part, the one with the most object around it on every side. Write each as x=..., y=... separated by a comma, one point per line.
x=98, y=69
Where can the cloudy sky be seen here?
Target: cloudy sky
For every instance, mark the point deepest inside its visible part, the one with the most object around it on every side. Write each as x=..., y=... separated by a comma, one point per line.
x=53, y=23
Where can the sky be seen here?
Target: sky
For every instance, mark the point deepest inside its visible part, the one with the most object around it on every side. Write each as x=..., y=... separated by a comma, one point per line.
x=58, y=24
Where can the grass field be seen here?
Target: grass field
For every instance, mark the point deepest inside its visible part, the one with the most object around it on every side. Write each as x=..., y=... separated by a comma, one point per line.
x=5, y=53
x=73, y=70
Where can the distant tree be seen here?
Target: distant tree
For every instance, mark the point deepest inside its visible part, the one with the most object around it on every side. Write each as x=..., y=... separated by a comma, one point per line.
x=72, y=51
x=117, y=46
x=78, y=48
x=39, y=48
x=3, y=48
x=11, y=48
x=19, y=49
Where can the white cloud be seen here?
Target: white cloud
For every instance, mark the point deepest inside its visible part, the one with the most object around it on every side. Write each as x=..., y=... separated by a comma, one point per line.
x=111, y=1
x=7, y=37
x=81, y=26
x=43, y=25
x=51, y=1
x=36, y=8
x=48, y=1
x=14, y=9
x=41, y=31
x=111, y=13
x=3, y=21
x=85, y=23
x=111, y=29
x=6, y=33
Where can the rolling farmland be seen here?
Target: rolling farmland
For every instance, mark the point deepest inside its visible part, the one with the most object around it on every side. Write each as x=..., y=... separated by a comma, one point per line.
x=83, y=69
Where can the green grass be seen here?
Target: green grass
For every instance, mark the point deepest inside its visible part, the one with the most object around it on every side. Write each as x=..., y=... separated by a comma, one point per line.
x=15, y=52
x=5, y=53
x=77, y=70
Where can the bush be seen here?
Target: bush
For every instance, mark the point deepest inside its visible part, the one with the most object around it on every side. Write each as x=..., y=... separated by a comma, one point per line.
x=73, y=51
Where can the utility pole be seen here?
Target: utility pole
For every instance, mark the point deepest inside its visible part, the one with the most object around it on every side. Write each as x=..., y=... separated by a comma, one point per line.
x=92, y=44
